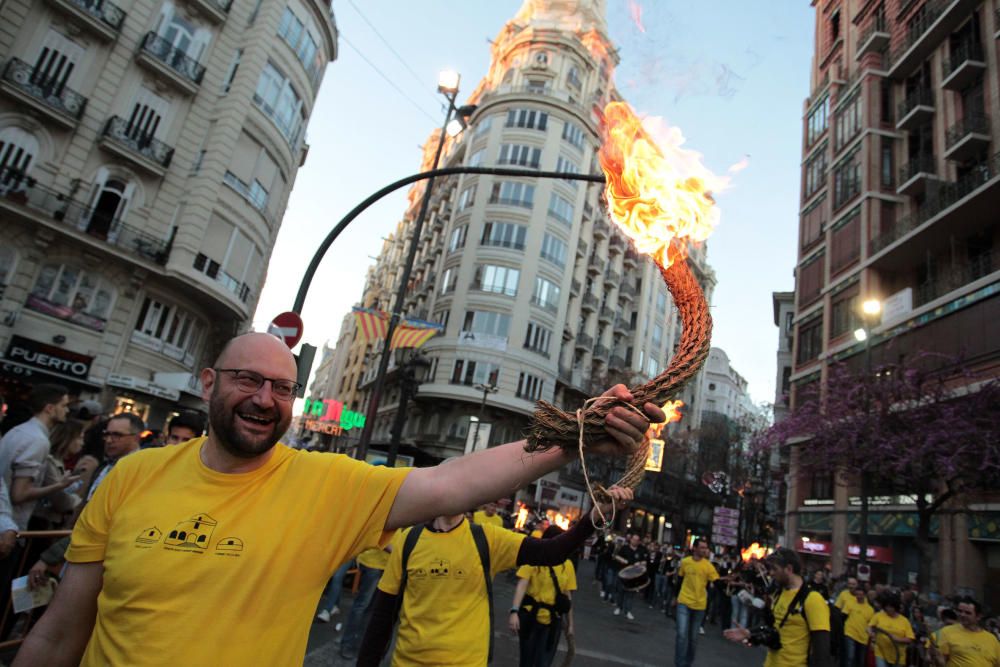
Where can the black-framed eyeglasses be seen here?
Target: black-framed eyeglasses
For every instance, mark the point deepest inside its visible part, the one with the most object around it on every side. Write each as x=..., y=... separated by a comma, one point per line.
x=250, y=382
x=112, y=435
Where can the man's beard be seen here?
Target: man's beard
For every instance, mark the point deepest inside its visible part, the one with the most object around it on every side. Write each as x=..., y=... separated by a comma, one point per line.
x=228, y=435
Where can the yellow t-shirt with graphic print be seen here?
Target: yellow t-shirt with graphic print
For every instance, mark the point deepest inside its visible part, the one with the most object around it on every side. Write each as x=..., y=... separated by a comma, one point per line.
x=965, y=648
x=795, y=632
x=697, y=575
x=540, y=585
x=885, y=648
x=444, y=619
x=192, y=557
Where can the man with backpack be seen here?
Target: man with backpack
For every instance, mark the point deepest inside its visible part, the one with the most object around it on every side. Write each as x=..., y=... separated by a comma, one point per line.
x=799, y=632
x=438, y=582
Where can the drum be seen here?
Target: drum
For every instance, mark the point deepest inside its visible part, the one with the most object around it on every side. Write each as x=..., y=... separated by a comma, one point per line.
x=634, y=577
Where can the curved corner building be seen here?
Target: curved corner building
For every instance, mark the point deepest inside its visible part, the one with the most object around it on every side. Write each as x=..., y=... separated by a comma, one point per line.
x=147, y=150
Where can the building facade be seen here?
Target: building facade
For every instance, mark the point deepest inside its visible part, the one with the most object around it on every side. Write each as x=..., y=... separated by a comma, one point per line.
x=147, y=151
x=540, y=296
x=900, y=184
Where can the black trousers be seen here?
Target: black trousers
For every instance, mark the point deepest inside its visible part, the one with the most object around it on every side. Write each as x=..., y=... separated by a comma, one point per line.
x=539, y=642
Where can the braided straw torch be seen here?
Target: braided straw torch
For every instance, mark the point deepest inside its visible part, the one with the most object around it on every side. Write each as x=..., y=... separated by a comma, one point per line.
x=659, y=195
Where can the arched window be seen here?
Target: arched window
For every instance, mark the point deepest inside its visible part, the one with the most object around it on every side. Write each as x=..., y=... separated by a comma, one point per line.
x=18, y=150
x=73, y=294
x=109, y=206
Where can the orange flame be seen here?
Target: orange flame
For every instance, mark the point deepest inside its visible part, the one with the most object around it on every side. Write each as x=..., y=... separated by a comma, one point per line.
x=754, y=551
x=522, y=517
x=561, y=521
x=658, y=193
x=673, y=411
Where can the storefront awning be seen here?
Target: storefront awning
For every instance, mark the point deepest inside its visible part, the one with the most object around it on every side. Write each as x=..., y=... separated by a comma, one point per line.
x=17, y=370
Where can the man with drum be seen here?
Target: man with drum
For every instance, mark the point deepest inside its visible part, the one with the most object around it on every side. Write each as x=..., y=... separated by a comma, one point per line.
x=632, y=576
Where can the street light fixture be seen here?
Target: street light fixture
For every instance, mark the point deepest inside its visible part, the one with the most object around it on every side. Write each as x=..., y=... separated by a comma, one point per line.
x=448, y=81
x=870, y=310
x=487, y=388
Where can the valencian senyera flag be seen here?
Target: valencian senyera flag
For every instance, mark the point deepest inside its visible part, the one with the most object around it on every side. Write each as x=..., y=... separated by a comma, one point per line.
x=410, y=333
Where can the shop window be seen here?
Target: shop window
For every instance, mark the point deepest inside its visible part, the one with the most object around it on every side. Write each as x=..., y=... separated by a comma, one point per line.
x=72, y=294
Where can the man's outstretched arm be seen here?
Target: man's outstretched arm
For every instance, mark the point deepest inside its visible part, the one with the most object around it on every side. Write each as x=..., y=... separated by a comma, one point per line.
x=493, y=473
x=61, y=635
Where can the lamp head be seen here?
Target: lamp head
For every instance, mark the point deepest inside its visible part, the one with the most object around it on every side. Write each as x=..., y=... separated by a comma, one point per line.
x=871, y=307
x=448, y=81
x=454, y=127
x=861, y=335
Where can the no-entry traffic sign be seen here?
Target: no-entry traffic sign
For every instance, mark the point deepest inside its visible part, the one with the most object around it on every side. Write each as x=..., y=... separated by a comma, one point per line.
x=287, y=327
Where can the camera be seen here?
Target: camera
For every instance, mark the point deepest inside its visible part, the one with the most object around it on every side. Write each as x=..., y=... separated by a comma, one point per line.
x=765, y=635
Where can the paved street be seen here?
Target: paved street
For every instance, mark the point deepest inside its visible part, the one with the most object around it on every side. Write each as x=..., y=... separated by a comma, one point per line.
x=602, y=638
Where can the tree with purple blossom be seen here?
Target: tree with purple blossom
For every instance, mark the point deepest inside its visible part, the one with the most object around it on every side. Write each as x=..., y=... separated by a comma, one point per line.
x=927, y=427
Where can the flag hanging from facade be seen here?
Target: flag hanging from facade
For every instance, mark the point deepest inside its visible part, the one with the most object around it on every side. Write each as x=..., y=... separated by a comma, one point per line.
x=411, y=333
x=373, y=324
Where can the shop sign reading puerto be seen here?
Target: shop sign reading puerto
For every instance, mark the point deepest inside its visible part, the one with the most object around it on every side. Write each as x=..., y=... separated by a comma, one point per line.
x=329, y=416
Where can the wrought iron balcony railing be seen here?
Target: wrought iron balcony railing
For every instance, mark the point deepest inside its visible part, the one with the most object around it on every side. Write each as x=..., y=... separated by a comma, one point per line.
x=122, y=132
x=177, y=59
x=53, y=94
x=105, y=12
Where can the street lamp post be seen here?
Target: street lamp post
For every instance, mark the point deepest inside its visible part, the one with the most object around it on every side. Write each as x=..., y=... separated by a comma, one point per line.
x=487, y=388
x=870, y=311
x=447, y=85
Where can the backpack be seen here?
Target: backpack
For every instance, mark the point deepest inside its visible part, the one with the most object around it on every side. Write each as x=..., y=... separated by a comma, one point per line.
x=482, y=546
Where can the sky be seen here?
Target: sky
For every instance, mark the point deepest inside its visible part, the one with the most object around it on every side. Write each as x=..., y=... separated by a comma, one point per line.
x=731, y=75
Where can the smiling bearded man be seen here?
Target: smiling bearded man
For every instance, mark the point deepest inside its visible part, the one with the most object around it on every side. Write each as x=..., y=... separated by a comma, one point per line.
x=222, y=545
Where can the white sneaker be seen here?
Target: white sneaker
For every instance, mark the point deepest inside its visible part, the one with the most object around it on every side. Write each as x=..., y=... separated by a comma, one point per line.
x=701, y=630
x=618, y=611
x=629, y=616
x=335, y=610
x=323, y=616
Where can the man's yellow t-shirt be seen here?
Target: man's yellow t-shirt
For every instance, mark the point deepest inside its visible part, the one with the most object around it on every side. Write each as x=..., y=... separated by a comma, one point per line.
x=540, y=585
x=482, y=517
x=885, y=647
x=856, y=625
x=795, y=632
x=845, y=600
x=207, y=568
x=697, y=575
x=375, y=558
x=969, y=649
x=444, y=619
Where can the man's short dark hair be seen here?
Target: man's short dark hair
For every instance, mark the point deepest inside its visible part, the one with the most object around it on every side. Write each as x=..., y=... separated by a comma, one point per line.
x=968, y=599
x=700, y=540
x=189, y=420
x=949, y=614
x=890, y=598
x=134, y=421
x=783, y=558
x=46, y=394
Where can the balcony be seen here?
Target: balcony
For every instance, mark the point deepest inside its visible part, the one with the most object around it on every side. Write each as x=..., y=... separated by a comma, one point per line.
x=914, y=175
x=621, y=326
x=967, y=138
x=596, y=264
x=631, y=258
x=617, y=363
x=956, y=277
x=606, y=315
x=212, y=269
x=23, y=192
x=64, y=106
x=616, y=244
x=916, y=109
x=171, y=63
x=550, y=306
x=937, y=20
x=584, y=342
x=574, y=287
x=627, y=291
x=128, y=142
x=215, y=10
x=581, y=248
x=100, y=17
x=873, y=39
x=960, y=201
x=601, y=352
x=963, y=65
x=601, y=229
x=589, y=302
x=612, y=278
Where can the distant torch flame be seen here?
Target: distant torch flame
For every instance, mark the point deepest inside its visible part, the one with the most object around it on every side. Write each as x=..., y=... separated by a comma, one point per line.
x=658, y=193
x=522, y=517
x=673, y=411
x=561, y=521
x=753, y=551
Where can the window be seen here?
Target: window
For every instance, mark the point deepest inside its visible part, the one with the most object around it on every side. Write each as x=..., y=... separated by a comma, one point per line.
x=519, y=154
x=816, y=172
x=834, y=26
x=253, y=192
x=537, y=86
x=538, y=338
x=846, y=180
x=227, y=83
x=457, y=239
x=56, y=62
x=546, y=294
x=848, y=122
x=476, y=159
x=573, y=77
x=511, y=193
x=181, y=34
x=18, y=150
x=572, y=134
x=254, y=174
x=561, y=209
x=504, y=235
x=108, y=205
x=279, y=102
x=73, y=295
x=845, y=243
x=810, y=340
x=449, y=279
x=567, y=166
x=810, y=280
x=554, y=249
x=467, y=198
x=497, y=279
x=661, y=301
x=816, y=123
x=529, y=119
x=301, y=41
x=657, y=336
x=487, y=322
x=166, y=328
x=469, y=372
x=529, y=387
x=843, y=312
x=441, y=317
x=887, y=175
x=813, y=221
x=483, y=126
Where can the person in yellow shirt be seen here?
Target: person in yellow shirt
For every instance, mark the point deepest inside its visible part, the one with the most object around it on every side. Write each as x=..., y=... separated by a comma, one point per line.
x=180, y=544
x=535, y=617
x=967, y=643
x=695, y=573
x=441, y=596
x=890, y=630
x=799, y=634
x=488, y=514
x=846, y=597
x=858, y=613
